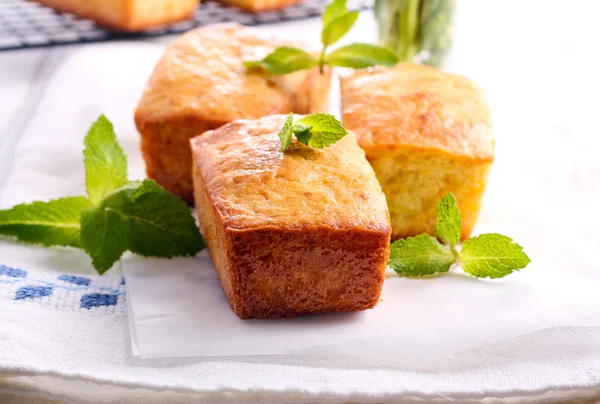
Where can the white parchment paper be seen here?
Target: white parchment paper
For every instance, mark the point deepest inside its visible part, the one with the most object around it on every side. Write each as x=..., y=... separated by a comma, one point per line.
x=179, y=310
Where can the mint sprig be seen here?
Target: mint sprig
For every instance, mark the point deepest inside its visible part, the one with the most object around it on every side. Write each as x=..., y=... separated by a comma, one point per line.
x=338, y=27
x=284, y=60
x=117, y=216
x=337, y=21
x=449, y=222
x=485, y=256
x=335, y=10
x=360, y=56
x=492, y=255
x=53, y=223
x=105, y=161
x=420, y=255
x=317, y=130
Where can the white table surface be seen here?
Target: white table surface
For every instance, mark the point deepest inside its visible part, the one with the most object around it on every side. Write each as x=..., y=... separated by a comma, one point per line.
x=537, y=60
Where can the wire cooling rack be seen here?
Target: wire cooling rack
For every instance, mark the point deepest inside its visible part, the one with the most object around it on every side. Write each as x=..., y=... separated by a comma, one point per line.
x=26, y=24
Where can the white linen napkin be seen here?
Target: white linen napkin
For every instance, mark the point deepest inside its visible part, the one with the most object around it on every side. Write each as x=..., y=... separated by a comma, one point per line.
x=59, y=344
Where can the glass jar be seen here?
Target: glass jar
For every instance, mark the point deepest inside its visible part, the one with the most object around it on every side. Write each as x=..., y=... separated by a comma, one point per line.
x=420, y=31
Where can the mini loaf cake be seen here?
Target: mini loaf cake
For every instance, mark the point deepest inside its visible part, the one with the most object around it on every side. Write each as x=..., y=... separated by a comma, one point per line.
x=260, y=5
x=426, y=133
x=201, y=84
x=290, y=233
x=127, y=15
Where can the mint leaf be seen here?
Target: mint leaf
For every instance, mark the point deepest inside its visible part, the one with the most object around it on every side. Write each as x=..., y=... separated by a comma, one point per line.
x=337, y=22
x=283, y=60
x=285, y=135
x=143, y=218
x=161, y=224
x=300, y=129
x=53, y=223
x=104, y=237
x=334, y=10
x=302, y=132
x=449, y=223
x=325, y=130
x=317, y=130
x=418, y=256
x=361, y=55
x=492, y=256
x=337, y=28
x=137, y=216
x=105, y=161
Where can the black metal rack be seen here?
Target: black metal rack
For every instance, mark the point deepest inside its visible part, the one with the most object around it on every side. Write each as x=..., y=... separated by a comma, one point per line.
x=25, y=24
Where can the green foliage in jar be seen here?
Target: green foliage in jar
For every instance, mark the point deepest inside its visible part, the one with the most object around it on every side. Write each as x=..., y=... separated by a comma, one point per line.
x=418, y=30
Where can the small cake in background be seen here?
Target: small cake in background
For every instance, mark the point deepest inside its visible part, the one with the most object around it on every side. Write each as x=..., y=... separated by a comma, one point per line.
x=127, y=15
x=290, y=233
x=260, y=5
x=425, y=133
x=201, y=84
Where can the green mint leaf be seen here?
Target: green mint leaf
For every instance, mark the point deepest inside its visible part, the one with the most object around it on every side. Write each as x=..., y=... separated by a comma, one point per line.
x=449, y=223
x=337, y=28
x=105, y=161
x=418, y=256
x=104, y=237
x=492, y=256
x=361, y=55
x=300, y=129
x=325, y=130
x=304, y=137
x=285, y=135
x=283, y=60
x=53, y=223
x=334, y=10
x=302, y=132
x=140, y=217
x=161, y=224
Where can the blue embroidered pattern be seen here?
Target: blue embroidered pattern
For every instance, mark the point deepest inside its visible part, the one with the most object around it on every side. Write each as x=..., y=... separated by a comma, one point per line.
x=77, y=280
x=33, y=292
x=12, y=272
x=66, y=292
x=97, y=300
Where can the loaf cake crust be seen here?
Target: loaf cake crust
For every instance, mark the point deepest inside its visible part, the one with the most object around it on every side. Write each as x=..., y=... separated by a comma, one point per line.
x=127, y=15
x=261, y=5
x=290, y=233
x=201, y=83
x=426, y=133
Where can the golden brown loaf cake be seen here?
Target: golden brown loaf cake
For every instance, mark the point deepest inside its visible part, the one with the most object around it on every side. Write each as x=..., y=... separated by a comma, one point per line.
x=290, y=233
x=127, y=15
x=426, y=133
x=201, y=84
x=260, y=5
